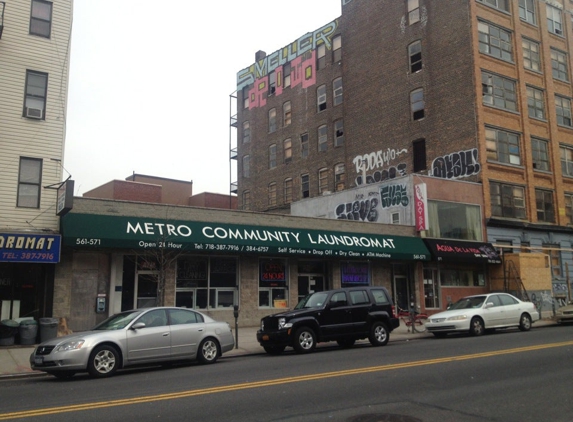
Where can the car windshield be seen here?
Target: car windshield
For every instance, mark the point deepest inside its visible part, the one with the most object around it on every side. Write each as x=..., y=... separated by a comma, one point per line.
x=468, y=303
x=315, y=300
x=118, y=321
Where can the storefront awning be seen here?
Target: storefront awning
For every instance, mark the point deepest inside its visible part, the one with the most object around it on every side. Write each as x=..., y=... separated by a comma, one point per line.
x=462, y=251
x=89, y=231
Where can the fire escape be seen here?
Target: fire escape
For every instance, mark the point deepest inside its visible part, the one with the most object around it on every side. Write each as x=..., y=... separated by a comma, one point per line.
x=512, y=281
x=2, y=6
x=233, y=185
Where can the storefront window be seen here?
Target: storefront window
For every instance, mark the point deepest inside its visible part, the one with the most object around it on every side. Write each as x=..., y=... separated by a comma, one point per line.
x=466, y=277
x=354, y=274
x=206, y=283
x=450, y=220
x=431, y=289
x=273, y=283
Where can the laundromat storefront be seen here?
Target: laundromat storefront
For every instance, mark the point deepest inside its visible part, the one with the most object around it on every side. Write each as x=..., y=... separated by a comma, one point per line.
x=219, y=265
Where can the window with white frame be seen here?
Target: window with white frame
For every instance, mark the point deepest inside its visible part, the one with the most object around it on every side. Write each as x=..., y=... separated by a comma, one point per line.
x=559, y=65
x=498, y=91
x=272, y=156
x=337, y=91
x=540, y=154
x=544, y=204
x=321, y=56
x=453, y=220
x=305, y=185
x=206, y=282
x=288, y=191
x=339, y=176
x=286, y=75
x=417, y=104
x=415, y=56
x=287, y=150
x=554, y=20
x=498, y=4
x=338, y=133
x=563, y=110
x=531, y=57
x=322, y=138
x=273, y=283
x=272, y=120
x=502, y=146
x=413, y=11
x=337, y=49
x=245, y=97
x=535, y=103
x=569, y=207
x=321, y=98
x=495, y=41
x=304, y=145
x=29, y=182
x=553, y=250
x=527, y=11
x=507, y=200
x=287, y=113
x=36, y=93
x=41, y=18
x=566, y=153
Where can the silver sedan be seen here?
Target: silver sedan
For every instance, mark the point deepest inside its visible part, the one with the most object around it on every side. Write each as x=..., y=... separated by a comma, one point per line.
x=475, y=314
x=135, y=337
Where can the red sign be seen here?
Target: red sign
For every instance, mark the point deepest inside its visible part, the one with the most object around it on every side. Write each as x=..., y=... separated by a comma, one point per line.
x=421, y=207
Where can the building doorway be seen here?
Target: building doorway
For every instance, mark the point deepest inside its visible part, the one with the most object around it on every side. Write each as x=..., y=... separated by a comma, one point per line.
x=309, y=284
x=146, y=289
x=401, y=292
x=431, y=289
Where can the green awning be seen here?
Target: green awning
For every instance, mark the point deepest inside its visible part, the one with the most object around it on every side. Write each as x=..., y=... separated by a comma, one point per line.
x=89, y=231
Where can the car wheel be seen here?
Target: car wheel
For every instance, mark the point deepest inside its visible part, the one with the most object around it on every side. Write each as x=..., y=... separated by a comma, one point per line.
x=274, y=350
x=379, y=334
x=208, y=351
x=476, y=327
x=103, y=361
x=63, y=374
x=304, y=340
x=346, y=343
x=525, y=322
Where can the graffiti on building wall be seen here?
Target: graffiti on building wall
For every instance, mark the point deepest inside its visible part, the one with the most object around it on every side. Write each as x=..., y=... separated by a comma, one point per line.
x=375, y=166
x=456, y=165
x=308, y=42
x=394, y=195
x=363, y=208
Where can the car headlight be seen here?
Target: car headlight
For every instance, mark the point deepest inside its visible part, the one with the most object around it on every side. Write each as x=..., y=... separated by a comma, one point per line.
x=70, y=345
x=284, y=324
x=458, y=318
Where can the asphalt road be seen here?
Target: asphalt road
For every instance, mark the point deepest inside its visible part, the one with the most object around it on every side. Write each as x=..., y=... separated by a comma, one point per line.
x=506, y=376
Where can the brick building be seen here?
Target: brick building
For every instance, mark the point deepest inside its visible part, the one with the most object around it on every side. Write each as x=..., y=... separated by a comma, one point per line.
x=34, y=65
x=477, y=91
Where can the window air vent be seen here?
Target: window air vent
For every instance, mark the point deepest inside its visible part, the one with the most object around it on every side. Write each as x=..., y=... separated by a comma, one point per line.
x=33, y=113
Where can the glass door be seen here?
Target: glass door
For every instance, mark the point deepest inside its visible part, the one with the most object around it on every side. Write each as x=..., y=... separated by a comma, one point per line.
x=431, y=288
x=146, y=289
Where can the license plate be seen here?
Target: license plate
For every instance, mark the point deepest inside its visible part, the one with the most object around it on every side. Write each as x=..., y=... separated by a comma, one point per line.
x=39, y=360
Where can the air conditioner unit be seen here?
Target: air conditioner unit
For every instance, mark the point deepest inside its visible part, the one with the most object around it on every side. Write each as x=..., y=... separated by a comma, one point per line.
x=558, y=31
x=34, y=113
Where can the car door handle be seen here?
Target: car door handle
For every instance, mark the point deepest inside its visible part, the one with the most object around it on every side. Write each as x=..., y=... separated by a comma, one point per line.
x=165, y=334
x=200, y=329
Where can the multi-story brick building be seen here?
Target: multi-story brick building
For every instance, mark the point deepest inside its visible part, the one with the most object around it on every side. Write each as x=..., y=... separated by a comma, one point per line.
x=34, y=63
x=471, y=90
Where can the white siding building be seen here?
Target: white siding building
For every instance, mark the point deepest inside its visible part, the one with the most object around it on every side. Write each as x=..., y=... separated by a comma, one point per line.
x=35, y=40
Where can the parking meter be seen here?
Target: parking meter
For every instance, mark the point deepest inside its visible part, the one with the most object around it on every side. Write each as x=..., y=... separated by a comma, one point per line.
x=236, y=315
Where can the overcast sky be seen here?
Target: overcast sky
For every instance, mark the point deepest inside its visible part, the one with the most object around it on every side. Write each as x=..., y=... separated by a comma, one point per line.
x=150, y=83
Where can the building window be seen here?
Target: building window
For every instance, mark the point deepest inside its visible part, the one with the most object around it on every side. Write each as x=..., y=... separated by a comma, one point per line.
x=321, y=56
x=531, y=58
x=339, y=176
x=498, y=4
x=272, y=82
x=559, y=65
x=415, y=56
x=246, y=166
x=554, y=20
x=563, y=110
x=272, y=120
x=246, y=97
x=502, y=146
x=452, y=220
x=554, y=258
x=305, y=186
x=337, y=49
x=273, y=283
x=272, y=194
x=338, y=133
x=41, y=18
x=322, y=138
x=527, y=11
x=417, y=104
x=495, y=41
x=29, y=182
x=540, y=154
x=287, y=148
x=535, y=103
x=566, y=160
x=286, y=72
x=272, y=156
x=413, y=11
x=544, y=203
x=288, y=191
x=337, y=91
x=321, y=98
x=206, y=282
x=462, y=277
x=507, y=200
x=419, y=155
x=287, y=114
x=395, y=218
x=247, y=200
x=498, y=91
x=569, y=207
x=246, y=132
x=36, y=92
x=304, y=145
x=322, y=181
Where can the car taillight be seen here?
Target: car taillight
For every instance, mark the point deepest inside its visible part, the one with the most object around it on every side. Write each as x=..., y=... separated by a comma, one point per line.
x=394, y=312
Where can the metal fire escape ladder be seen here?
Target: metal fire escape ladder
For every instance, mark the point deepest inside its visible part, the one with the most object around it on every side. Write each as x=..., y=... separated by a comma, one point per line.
x=513, y=283
x=2, y=6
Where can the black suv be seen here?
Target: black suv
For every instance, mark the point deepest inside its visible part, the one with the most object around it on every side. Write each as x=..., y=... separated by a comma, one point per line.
x=343, y=315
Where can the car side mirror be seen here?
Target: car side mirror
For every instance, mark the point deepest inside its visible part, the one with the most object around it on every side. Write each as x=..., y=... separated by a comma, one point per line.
x=138, y=325
x=489, y=305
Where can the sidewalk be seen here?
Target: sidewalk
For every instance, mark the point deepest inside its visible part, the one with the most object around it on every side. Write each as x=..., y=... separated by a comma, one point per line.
x=14, y=360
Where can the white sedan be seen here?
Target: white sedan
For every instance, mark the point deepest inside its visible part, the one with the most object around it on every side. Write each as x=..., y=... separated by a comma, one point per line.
x=475, y=314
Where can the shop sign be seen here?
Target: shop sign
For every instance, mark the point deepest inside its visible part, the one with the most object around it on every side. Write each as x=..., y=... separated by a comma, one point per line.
x=31, y=248
x=103, y=231
x=453, y=250
x=421, y=207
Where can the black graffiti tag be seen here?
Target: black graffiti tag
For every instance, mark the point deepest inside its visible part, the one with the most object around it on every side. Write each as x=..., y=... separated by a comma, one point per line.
x=394, y=195
x=358, y=210
x=456, y=165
